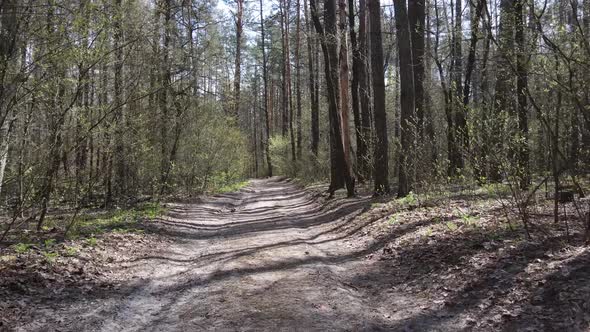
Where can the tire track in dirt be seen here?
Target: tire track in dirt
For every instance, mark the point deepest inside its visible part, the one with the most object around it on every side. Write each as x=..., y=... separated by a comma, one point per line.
x=271, y=257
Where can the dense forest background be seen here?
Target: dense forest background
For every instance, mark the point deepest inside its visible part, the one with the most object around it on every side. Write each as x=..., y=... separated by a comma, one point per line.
x=106, y=102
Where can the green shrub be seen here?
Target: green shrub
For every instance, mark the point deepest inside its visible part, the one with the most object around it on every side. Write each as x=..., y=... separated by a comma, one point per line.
x=225, y=182
x=213, y=155
x=410, y=200
x=393, y=219
x=49, y=256
x=452, y=226
x=71, y=251
x=120, y=220
x=21, y=248
x=308, y=167
x=281, y=156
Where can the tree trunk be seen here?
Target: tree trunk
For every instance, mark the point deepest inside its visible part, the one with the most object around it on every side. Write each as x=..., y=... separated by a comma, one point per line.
x=407, y=97
x=286, y=65
x=523, y=171
x=344, y=85
x=298, y=78
x=503, y=98
x=8, y=48
x=315, y=107
x=364, y=95
x=428, y=111
x=460, y=121
x=472, y=50
x=339, y=171
x=56, y=118
x=355, y=102
x=119, y=120
x=381, y=161
x=417, y=21
x=238, y=61
x=265, y=80
x=165, y=80
x=5, y=134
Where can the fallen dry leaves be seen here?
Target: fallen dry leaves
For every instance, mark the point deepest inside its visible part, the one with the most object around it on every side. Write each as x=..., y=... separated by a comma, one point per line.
x=48, y=273
x=471, y=259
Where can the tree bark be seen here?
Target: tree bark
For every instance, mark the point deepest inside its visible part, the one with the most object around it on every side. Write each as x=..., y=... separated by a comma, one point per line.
x=359, y=95
x=4, y=146
x=523, y=171
x=344, y=85
x=407, y=97
x=298, y=78
x=165, y=78
x=56, y=117
x=503, y=98
x=119, y=119
x=339, y=171
x=417, y=21
x=314, y=98
x=355, y=102
x=381, y=161
x=265, y=80
x=238, y=61
x=364, y=94
x=9, y=27
x=460, y=121
x=472, y=50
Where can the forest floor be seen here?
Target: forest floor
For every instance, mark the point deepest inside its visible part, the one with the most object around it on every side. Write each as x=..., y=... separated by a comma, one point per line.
x=278, y=257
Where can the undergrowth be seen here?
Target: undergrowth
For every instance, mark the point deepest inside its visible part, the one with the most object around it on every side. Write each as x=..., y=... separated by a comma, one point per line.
x=225, y=182
x=86, y=227
x=120, y=220
x=230, y=187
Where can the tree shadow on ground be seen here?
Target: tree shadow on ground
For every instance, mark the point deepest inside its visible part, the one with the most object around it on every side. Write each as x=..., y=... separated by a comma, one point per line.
x=469, y=278
x=336, y=226
x=482, y=288
x=306, y=216
x=475, y=281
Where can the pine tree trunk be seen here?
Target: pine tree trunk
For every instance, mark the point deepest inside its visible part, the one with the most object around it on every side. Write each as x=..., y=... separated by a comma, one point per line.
x=314, y=98
x=119, y=120
x=407, y=97
x=298, y=78
x=381, y=158
x=165, y=80
x=266, y=96
x=339, y=170
x=238, y=60
x=364, y=95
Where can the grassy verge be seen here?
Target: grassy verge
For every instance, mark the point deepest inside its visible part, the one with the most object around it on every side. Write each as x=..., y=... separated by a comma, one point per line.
x=229, y=187
x=84, y=230
x=120, y=220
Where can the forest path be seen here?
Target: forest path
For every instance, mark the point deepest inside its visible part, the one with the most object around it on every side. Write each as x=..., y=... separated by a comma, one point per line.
x=271, y=257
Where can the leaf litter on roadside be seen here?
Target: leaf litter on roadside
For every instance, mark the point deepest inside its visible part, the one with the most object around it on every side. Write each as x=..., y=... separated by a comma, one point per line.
x=477, y=266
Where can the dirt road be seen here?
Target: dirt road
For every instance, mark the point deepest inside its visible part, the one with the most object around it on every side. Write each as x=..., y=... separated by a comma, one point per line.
x=271, y=257
x=276, y=257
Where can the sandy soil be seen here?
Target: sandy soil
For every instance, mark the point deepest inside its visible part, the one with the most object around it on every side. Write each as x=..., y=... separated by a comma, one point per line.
x=269, y=257
x=276, y=257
